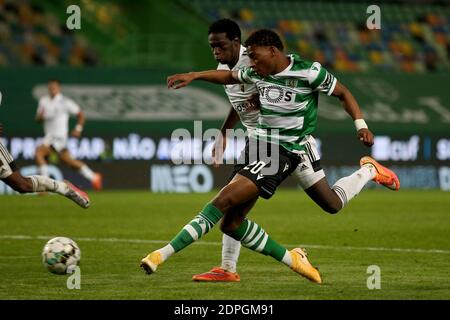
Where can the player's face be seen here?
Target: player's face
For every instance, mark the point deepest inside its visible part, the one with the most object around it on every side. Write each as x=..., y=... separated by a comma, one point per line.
x=262, y=59
x=53, y=88
x=224, y=50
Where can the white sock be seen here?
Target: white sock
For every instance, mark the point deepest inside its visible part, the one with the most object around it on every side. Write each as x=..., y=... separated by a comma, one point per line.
x=230, y=253
x=349, y=187
x=43, y=184
x=166, y=252
x=43, y=170
x=287, y=259
x=86, y=172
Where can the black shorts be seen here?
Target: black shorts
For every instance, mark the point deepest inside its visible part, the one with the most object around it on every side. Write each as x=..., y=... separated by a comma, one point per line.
x=13, y=166
x=266, y=164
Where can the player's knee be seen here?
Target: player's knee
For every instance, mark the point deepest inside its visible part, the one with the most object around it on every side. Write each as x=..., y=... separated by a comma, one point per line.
x=71, y=165
x=224, y=202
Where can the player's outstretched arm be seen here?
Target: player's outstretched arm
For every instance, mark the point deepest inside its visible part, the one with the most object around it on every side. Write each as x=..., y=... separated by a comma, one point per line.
x=181, y=80
x=351, y=106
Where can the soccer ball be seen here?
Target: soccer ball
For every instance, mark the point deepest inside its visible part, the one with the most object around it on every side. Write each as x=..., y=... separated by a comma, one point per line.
x=61, y=255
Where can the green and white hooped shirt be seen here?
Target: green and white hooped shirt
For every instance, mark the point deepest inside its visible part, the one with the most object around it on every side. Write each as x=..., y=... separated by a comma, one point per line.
x=289, y=101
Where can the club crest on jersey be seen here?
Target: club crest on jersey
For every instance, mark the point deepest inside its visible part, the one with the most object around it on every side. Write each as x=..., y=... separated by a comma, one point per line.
x=291, y=83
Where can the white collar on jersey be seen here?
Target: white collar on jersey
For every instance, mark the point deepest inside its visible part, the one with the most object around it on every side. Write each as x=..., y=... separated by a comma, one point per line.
x=288, y=67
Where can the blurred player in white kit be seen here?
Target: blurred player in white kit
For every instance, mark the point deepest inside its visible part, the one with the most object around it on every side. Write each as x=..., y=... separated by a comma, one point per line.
x=10, y=175
x=54, y=111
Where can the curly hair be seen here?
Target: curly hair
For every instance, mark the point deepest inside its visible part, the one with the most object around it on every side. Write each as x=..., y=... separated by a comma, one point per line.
x=264, y=37
x=227, y=26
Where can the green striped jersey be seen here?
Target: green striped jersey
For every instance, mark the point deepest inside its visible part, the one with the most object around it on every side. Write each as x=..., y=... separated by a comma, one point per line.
x=289, y=101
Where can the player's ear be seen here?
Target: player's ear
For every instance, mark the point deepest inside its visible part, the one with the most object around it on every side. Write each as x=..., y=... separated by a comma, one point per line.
x=272, y=51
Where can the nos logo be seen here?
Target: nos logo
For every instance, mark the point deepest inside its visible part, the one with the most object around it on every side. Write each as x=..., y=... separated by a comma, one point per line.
x=276, y=94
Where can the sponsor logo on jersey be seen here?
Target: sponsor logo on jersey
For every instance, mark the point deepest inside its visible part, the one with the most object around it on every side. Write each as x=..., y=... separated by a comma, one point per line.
x=276, y=94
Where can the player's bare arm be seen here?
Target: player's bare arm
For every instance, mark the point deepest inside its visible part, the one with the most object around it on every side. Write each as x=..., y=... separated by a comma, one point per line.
x=181, y=80
x=351, y=106
x=76, y=132
x=221, y=143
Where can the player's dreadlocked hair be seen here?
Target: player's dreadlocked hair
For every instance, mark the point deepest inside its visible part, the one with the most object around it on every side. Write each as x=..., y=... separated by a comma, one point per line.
x=227, y=26
x=264, y=37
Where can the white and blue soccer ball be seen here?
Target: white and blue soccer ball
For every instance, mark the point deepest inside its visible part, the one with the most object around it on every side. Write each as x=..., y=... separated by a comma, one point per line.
x=61, y=255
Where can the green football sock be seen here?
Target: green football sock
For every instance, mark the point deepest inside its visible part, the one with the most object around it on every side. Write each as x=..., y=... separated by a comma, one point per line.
x=255, y=238
x=198, y=227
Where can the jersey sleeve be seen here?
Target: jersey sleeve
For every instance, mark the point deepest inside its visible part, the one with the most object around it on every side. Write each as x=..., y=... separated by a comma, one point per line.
x=246, y=75
x=72, y=107
x=320, y=79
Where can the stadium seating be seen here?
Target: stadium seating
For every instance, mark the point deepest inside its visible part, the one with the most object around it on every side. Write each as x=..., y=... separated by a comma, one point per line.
x=30, y=35
x=413, y=38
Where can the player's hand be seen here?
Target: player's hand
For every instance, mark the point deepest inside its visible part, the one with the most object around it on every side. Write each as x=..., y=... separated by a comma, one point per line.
x=254, y=103
x=75, y=133
x=217, y=151
x=366, y=137
x=181, y=80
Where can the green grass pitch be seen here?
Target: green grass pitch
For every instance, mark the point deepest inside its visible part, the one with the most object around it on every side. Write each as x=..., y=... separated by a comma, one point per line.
x=405, y=233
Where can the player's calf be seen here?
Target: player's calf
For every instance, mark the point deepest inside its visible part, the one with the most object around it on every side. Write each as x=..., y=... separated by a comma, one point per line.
x=19, y=183
x=326, y=197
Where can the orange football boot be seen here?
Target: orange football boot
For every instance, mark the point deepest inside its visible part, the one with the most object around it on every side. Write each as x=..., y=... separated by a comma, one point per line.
x=217, y=274
x=77, y=195
x=384, y=176
x=151, y=262
x=303, y=267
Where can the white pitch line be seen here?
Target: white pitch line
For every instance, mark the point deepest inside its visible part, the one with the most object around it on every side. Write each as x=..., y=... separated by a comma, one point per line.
x=211, y=243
